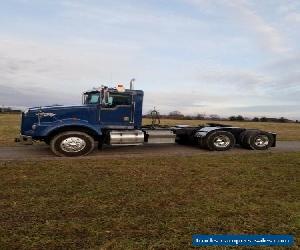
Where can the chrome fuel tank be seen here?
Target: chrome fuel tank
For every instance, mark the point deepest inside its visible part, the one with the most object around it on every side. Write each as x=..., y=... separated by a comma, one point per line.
x=160, y=136
x=126, y=137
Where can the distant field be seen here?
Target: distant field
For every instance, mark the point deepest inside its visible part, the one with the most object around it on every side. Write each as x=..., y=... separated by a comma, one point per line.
x=147, y=203
x=9, y=127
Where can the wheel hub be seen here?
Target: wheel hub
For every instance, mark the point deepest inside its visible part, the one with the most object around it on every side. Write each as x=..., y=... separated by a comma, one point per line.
x=261, y=141
x=72, y=144
x=222, y=141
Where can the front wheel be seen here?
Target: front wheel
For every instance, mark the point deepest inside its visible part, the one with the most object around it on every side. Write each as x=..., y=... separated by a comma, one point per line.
x=72, y=143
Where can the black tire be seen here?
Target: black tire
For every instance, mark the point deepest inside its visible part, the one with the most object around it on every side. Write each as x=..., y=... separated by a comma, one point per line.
x=181, y=140
x=241, y=138
x=257, y=140
x=201, y=142
x=220, y=141
x=63, y=144
x=245, y=136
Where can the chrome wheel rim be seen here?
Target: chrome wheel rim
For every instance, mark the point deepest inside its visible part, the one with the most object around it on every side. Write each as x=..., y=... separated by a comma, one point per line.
x=261, y=141
x=222, y=141
x=72, y=144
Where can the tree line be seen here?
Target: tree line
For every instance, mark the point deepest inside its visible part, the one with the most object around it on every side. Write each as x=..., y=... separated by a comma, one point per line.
x=177, y=115
x=9, y=110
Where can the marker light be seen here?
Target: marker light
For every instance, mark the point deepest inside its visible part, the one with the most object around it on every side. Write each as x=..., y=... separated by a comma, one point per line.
x=120, y=88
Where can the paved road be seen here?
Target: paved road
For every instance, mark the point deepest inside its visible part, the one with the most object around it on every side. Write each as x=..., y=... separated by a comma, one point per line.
x=43, y=151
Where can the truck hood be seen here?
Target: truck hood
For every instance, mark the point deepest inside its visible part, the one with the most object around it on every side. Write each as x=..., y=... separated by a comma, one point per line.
x=55, y=113
x=60, y=112
x=53, y=107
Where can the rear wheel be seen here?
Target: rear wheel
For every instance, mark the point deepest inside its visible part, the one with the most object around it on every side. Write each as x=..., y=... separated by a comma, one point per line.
x=257, y=140
x=220, y=141
x=72, y=143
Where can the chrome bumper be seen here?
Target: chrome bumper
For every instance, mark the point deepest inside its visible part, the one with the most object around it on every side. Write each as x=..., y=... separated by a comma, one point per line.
x=24, y=139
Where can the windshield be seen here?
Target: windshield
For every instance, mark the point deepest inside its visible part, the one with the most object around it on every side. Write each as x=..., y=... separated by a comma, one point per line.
x=91, y=98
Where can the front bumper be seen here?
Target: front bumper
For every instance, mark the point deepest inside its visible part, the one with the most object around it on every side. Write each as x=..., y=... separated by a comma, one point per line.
x=24, y=139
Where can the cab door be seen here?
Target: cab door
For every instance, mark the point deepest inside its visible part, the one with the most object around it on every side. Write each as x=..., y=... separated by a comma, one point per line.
x=117, y=111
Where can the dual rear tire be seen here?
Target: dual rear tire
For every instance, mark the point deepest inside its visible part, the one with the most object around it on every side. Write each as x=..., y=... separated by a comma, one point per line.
x=256, y=140
x=218, y=141
x=224, y=140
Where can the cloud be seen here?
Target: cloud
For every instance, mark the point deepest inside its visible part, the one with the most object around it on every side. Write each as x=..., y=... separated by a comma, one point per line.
x=192, y=55
x=293, y=17
x=290, y=11
x=291, y=62
x=290, y=111
x=141, y=20
x=235, y=78
x=267, y=36
x=71, y=68
x=285, y=76
x=29, y=97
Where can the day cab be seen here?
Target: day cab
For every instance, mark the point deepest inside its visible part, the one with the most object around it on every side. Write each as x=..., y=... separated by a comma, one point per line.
x=113, y=116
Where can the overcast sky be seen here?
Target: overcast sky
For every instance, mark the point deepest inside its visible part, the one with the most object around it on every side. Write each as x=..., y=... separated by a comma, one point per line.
x=198, y=56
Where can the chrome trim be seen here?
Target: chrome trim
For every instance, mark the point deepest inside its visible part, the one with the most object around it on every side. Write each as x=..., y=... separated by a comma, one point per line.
x=72, y=144
x=261, y=141
x=114, y=108
x=118, y=127
x=133, y=137
x=159, y=136
x=221, y=141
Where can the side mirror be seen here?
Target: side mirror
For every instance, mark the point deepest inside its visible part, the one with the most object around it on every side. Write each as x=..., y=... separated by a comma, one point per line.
x=110, y=100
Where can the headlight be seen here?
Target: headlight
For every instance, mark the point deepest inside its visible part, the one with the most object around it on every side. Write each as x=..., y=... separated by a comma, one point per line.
x=34, y=126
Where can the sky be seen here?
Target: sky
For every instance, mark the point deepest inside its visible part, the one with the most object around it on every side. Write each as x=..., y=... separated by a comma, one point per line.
x=224, y=57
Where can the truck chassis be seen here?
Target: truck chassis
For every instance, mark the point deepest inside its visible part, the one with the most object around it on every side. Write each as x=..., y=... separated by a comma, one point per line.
x=213, y=137
x=113, y=116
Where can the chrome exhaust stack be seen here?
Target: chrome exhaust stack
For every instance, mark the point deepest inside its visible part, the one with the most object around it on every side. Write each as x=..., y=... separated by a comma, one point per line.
x=131, y=83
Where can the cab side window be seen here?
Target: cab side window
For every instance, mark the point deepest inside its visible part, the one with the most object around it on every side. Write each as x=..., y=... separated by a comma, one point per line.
x=92, y=98
x=119, y=99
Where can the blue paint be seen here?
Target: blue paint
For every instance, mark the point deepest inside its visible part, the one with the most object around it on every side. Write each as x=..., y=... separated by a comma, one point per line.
x=40, y=122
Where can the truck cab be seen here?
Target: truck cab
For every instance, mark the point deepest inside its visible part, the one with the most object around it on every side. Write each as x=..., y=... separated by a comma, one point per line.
x=117, y=108
x=74, y=130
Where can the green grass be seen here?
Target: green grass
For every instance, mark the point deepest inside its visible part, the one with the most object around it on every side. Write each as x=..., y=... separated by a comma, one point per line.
x=150, y=203
x=9, y=127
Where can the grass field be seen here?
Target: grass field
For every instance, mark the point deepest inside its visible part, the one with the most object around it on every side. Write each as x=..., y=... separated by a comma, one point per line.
x=9, y=127
x=151, y=203
x=147, y=203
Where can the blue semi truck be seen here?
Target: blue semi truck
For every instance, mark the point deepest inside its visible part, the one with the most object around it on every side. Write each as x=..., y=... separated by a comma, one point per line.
x=113, y=116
